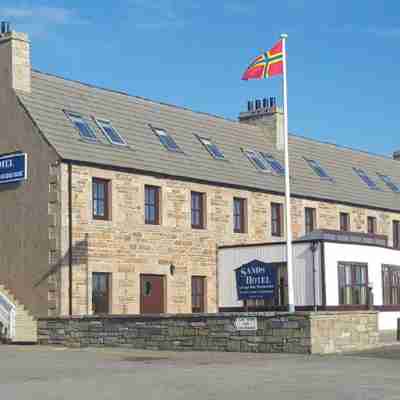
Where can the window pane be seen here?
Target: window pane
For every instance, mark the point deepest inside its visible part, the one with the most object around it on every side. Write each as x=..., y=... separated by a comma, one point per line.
x=353, y=286
x=366, y=179
x=99, y=193
x=317, y=168
x=197, y=209
x=238, y=215
x=82, y=126
x=274, y=164
x=198, y=294
x=212, y=148
x=276, y=219
x=389, y=183
x=257, y=160
x=152, y=206
x=109, y=131
x=167, y=140
x=391, y=284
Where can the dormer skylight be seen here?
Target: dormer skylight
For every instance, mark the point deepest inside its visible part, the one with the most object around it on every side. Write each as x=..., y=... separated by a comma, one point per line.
x=389, y=182
x=317, y=168
x=257, y=160
x=366, y=179
x=82, y=126
x=110, y=132
x=167, y=140
x=275, y=165
x=212, y=148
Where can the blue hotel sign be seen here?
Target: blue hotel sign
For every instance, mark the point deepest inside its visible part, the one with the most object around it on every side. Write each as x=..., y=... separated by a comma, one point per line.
x=13, y=168
x=256, y=280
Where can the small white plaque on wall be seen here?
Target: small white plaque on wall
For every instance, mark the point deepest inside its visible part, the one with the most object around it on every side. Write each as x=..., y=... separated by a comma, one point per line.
x=246, y=323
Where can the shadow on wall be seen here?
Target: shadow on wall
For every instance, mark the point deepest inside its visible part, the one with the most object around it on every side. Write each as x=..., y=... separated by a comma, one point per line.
x=79, y=257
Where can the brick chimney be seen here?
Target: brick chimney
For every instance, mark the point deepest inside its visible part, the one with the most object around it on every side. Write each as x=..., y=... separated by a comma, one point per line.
x=15, y=62
x=396, y=155
x=266, y=114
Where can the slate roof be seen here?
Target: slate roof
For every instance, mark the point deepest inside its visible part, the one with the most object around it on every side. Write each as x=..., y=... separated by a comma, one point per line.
x=132, y=115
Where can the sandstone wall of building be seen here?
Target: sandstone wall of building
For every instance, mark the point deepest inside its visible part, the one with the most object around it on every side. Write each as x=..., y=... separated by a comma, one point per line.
x=126, y=247
x=319, y=333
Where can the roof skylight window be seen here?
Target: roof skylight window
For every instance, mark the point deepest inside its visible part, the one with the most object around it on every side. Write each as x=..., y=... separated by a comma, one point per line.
x=257, y=160
x=109, y=131
x=366, y=179
x=274, y=163
x=167, y=140
x=389, y=182
x=212, y=148
x=83, y=127
x=317, y=168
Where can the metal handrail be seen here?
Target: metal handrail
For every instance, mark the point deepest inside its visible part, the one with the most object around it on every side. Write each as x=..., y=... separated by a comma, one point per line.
x=7, y=317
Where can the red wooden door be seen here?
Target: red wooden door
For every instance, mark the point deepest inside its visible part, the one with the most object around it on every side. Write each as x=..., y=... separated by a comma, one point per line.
x=151, y=294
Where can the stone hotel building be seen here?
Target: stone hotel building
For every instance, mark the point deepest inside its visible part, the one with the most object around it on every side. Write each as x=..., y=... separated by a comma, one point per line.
x=128, y=200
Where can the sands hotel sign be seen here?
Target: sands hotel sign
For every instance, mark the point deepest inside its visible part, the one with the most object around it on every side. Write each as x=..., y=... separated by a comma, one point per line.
x=13, y=168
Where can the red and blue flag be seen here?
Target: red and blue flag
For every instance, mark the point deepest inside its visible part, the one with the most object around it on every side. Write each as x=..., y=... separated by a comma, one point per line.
x=267, y=64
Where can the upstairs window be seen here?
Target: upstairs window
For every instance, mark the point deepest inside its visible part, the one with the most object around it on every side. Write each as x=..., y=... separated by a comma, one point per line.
x=344, y=222
x=212, y=148
x=109, y=131
x=152, y=205
x=310, y=219
x=389, y=183
x=317, y=168
x=101, y=198
x=257, y=160
x=239, y=215
x=197, y=208
x=371, y=225
x=275, y=165
x=166, y=140
x=276, y=219
x=85, y=131
x=396, y=234
x=366, y=179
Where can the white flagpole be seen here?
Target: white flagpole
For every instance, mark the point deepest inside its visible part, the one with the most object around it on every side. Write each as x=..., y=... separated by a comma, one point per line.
x=289, y=249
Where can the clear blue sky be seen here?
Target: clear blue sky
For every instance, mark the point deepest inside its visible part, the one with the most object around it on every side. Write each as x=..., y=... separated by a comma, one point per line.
x=344, y=56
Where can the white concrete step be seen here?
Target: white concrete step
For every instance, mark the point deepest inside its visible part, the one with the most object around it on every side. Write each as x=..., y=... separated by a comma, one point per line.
x=25, y=323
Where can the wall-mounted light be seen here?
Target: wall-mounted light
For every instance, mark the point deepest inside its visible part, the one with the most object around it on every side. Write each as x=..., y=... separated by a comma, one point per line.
x=172, y=269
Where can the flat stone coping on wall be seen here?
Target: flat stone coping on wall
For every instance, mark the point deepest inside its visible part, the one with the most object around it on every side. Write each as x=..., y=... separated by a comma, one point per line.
x=300, y=332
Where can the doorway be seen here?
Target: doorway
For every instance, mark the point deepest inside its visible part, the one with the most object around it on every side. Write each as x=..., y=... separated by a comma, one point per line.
x=152, y=294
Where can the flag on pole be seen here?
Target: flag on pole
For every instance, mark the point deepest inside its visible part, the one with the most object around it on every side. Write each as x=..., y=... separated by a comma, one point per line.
x=267, y=64
x=271, y=63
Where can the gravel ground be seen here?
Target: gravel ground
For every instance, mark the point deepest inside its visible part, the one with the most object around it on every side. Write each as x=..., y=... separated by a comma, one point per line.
x=34, y=372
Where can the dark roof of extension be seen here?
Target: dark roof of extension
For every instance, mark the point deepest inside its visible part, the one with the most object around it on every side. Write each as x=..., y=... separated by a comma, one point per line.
x=132, y=115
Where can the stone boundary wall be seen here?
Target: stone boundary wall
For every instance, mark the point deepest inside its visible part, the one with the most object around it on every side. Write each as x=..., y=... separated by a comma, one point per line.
x=321, y=332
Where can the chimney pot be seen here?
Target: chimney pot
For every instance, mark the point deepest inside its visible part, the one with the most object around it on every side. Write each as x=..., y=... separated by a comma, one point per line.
x=265, y=103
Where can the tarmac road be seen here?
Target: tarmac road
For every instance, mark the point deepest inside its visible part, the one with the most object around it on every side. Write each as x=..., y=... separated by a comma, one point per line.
x=35, y=372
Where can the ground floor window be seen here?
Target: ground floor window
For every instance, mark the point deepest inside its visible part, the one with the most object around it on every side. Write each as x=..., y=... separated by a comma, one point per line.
x=100, y=292
x=198, y=294
x=280, y=298
x=353, y=283
x=391, y=284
